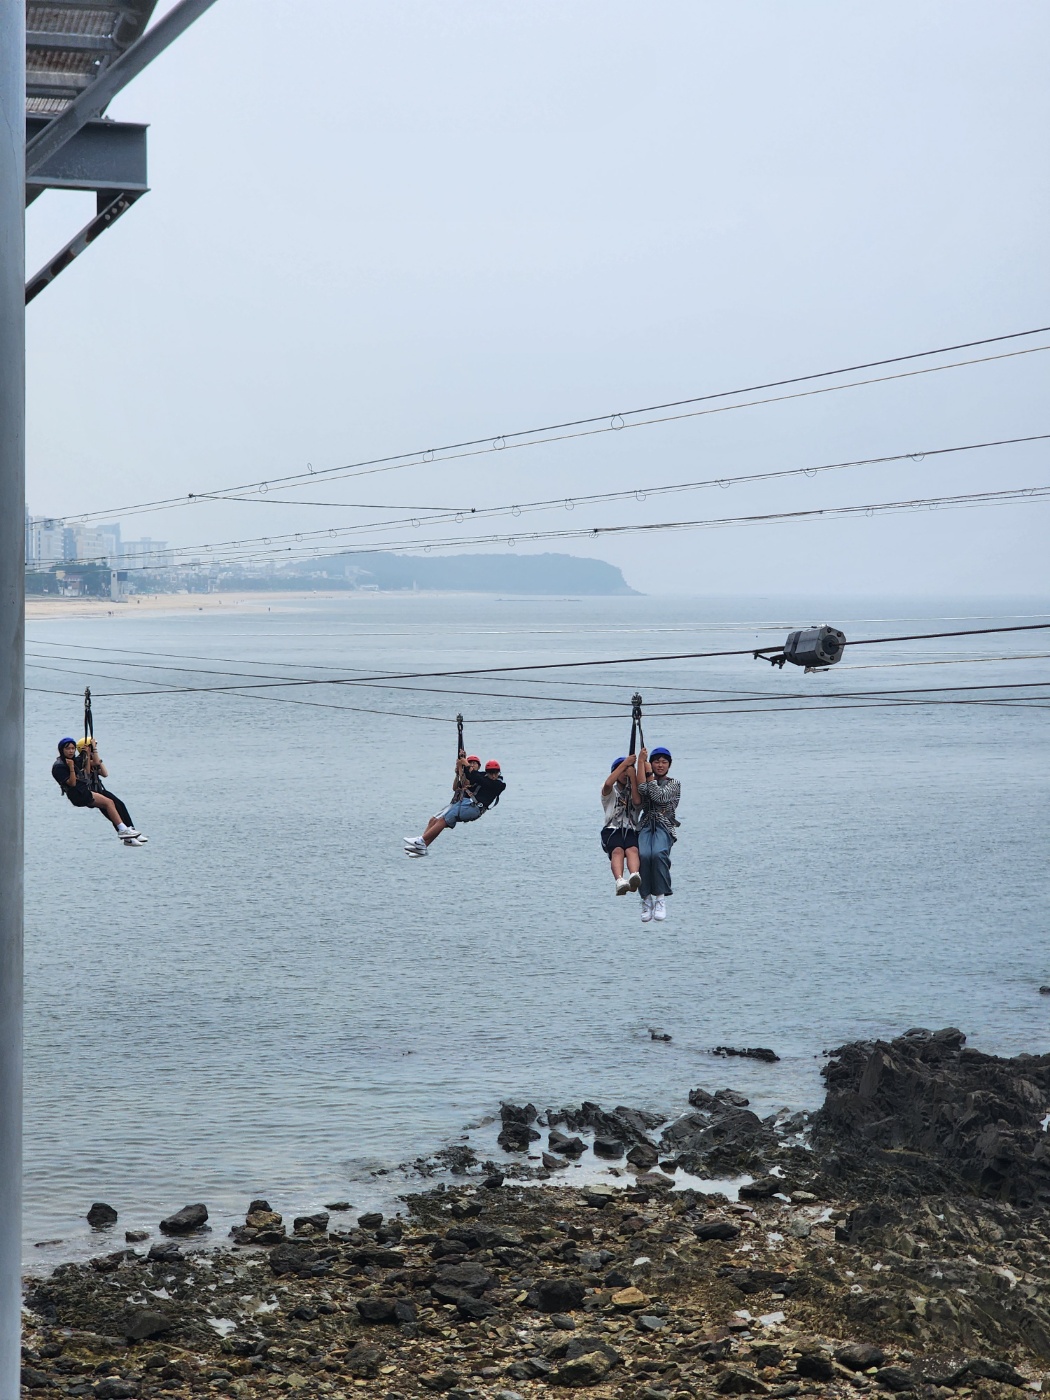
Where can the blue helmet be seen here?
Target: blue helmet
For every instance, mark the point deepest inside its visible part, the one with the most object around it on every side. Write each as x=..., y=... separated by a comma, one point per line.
x=616, y=763
x=63, y=742
x=660, y=753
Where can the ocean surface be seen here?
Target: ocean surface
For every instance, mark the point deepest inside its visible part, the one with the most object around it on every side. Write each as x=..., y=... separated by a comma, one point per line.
x=269, y=999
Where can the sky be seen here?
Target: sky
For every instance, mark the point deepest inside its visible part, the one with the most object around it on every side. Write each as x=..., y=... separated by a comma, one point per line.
x=373, y=229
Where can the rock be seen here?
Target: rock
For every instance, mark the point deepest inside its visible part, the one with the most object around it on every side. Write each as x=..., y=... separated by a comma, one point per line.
x=732, y=1097
x=517, y=1113
x=981, y=1368
x=289, y=1258
x=654, y=1034
x=164, y=1253
x=303, y=1224
x=464, y=1210
x=757, y=1053
x=136, y=1236
x=386, y=1311
x=553, y=1163
x=598, y=1195
x=643, y=1156
x=466, y=1277
x=760, y=1189
x=440, y=1380
x=564, y=1145
x=142, y=1323
x=258, y=1204
x=589, y=1369
x=559, y=1295
x=473, y=1309
x=894, y=1378
x=186, y=1220
x=717, y=1230
x=563, y=1322
x=363, y=1362
x=926, y=1109
x=338, y=1206
x=112, y=1388
x=799, y=1228
x=371, y=1220
x=628, y=1299
x=493, y=1181
x=35, y=1380
x=860, y=1356
x=730, y=1140
x=607, y=1147
x=100, y=1215
x=516, y=1137
x=736, y=1382
x=648, y=1322
x=814, y=1367
x=263, y=1219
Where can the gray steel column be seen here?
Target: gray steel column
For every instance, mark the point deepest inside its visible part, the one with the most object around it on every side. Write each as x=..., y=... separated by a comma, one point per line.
x=12, y=670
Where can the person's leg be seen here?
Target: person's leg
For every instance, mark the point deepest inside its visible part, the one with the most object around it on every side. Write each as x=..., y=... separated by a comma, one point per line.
x=435, y=827
x=108, y=810
x=645, y=862
x=632, y=860
x=661, y=863
x=616, y=861
x=125, y=815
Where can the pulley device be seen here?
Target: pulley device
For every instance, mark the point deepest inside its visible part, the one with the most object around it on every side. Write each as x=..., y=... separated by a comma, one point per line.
x=815, y=648
x=636, y=723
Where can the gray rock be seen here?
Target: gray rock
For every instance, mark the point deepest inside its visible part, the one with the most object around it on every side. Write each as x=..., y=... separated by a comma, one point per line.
x=184, y=1221
x=859, y=1356
x=565, y=1146
x=371, y=1220
x=892, y=1378
x=717, y=1230
x=164, y=1253
x=307, y=1223
x=559, y=1295
x=735, y=1382
x=136, y=1236
x=146, y=1322
x=100, y=1215
x=553, y=1163
x=815, y=1368
x=589, y=1369
x=608, y=1147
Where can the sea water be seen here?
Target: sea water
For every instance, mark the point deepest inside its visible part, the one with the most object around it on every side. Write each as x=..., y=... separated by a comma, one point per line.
x=269, y=999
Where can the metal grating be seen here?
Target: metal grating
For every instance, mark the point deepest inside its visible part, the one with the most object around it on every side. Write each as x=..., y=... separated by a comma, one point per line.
x=70, y=42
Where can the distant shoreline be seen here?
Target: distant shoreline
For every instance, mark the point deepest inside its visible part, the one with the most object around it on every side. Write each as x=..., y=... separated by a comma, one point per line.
x=49, y=609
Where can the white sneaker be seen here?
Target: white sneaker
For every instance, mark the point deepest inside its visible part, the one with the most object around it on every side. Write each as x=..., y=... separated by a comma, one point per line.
x=415, y=843
x=414, y=854
x=129, y=833
x=133, y=841
x=622, y=885
x=634, y=879
x=647, y=909
x=659, y=909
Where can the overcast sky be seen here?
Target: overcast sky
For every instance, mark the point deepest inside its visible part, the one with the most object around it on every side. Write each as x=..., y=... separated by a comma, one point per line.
x=376, y=227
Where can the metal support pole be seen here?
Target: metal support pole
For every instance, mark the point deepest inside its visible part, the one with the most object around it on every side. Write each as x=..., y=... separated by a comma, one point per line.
x=12, y=672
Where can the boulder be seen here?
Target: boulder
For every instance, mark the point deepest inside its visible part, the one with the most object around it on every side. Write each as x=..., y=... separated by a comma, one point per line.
x=100, y=1215
x=186, y=1220
x=559, y=1295
x=860, y=1356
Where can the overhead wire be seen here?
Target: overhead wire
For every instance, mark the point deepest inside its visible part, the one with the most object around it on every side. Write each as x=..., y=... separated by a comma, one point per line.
x=584, y=426
x=172, y=555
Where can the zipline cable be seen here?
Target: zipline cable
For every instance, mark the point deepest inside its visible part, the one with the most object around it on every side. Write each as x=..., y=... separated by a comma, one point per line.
x=173, y=554
x=605, y=661
x=615, y=421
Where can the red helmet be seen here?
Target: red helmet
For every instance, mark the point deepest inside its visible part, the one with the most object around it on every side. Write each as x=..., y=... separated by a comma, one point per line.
x=492, y=766
x=473, y=758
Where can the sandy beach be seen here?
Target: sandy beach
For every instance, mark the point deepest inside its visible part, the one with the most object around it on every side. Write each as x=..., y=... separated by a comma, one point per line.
x=45, y=609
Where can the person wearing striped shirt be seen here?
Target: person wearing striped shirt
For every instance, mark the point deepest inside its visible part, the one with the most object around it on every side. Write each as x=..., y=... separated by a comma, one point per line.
x=659, y=794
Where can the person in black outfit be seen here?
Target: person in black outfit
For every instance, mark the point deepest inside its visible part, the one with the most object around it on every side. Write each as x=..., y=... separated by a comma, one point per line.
x=474, y=792
x=80, y=774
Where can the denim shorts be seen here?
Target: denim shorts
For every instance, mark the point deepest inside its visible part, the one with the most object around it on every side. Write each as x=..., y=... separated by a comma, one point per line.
x=465, y=810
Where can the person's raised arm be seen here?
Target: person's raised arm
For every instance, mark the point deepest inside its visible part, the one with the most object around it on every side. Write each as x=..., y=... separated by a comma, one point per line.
x=618, y=774
x=644, y=772
x=71, y=781
x=632, y=774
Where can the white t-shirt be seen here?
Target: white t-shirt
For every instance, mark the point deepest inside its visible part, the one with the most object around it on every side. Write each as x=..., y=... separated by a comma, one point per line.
x=617, y=808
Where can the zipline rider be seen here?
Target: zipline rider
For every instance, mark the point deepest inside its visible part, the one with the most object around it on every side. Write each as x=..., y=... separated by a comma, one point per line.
x=473, y=793
x=79, y=776
x=659, y=796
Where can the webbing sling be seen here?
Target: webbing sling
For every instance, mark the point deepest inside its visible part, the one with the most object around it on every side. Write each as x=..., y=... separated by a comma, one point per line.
x=92, y=778
x=636, y=723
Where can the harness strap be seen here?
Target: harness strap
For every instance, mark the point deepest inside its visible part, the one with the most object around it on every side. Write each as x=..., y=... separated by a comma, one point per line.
x=636, y=722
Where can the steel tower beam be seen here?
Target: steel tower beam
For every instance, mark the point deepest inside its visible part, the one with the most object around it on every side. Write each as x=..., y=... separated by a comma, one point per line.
x=12, y=676
x=94, y=100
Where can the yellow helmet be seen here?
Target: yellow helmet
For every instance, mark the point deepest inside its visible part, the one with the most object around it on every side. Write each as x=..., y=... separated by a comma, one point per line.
x=83, y=743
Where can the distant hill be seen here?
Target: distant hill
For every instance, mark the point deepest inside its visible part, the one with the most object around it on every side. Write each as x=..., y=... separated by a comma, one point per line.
x=469, y=573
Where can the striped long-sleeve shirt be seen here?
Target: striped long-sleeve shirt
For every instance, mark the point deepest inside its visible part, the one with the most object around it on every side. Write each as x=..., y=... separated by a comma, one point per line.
x=660, y=803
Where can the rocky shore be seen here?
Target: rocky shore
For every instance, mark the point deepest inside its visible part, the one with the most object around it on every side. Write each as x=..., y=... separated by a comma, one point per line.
x=896, y=1243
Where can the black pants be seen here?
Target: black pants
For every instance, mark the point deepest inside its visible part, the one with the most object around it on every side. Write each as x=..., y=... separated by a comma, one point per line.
x=122, y=811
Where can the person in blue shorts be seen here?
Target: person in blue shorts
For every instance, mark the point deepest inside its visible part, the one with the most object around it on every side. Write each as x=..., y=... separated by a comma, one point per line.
x=473, y=792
